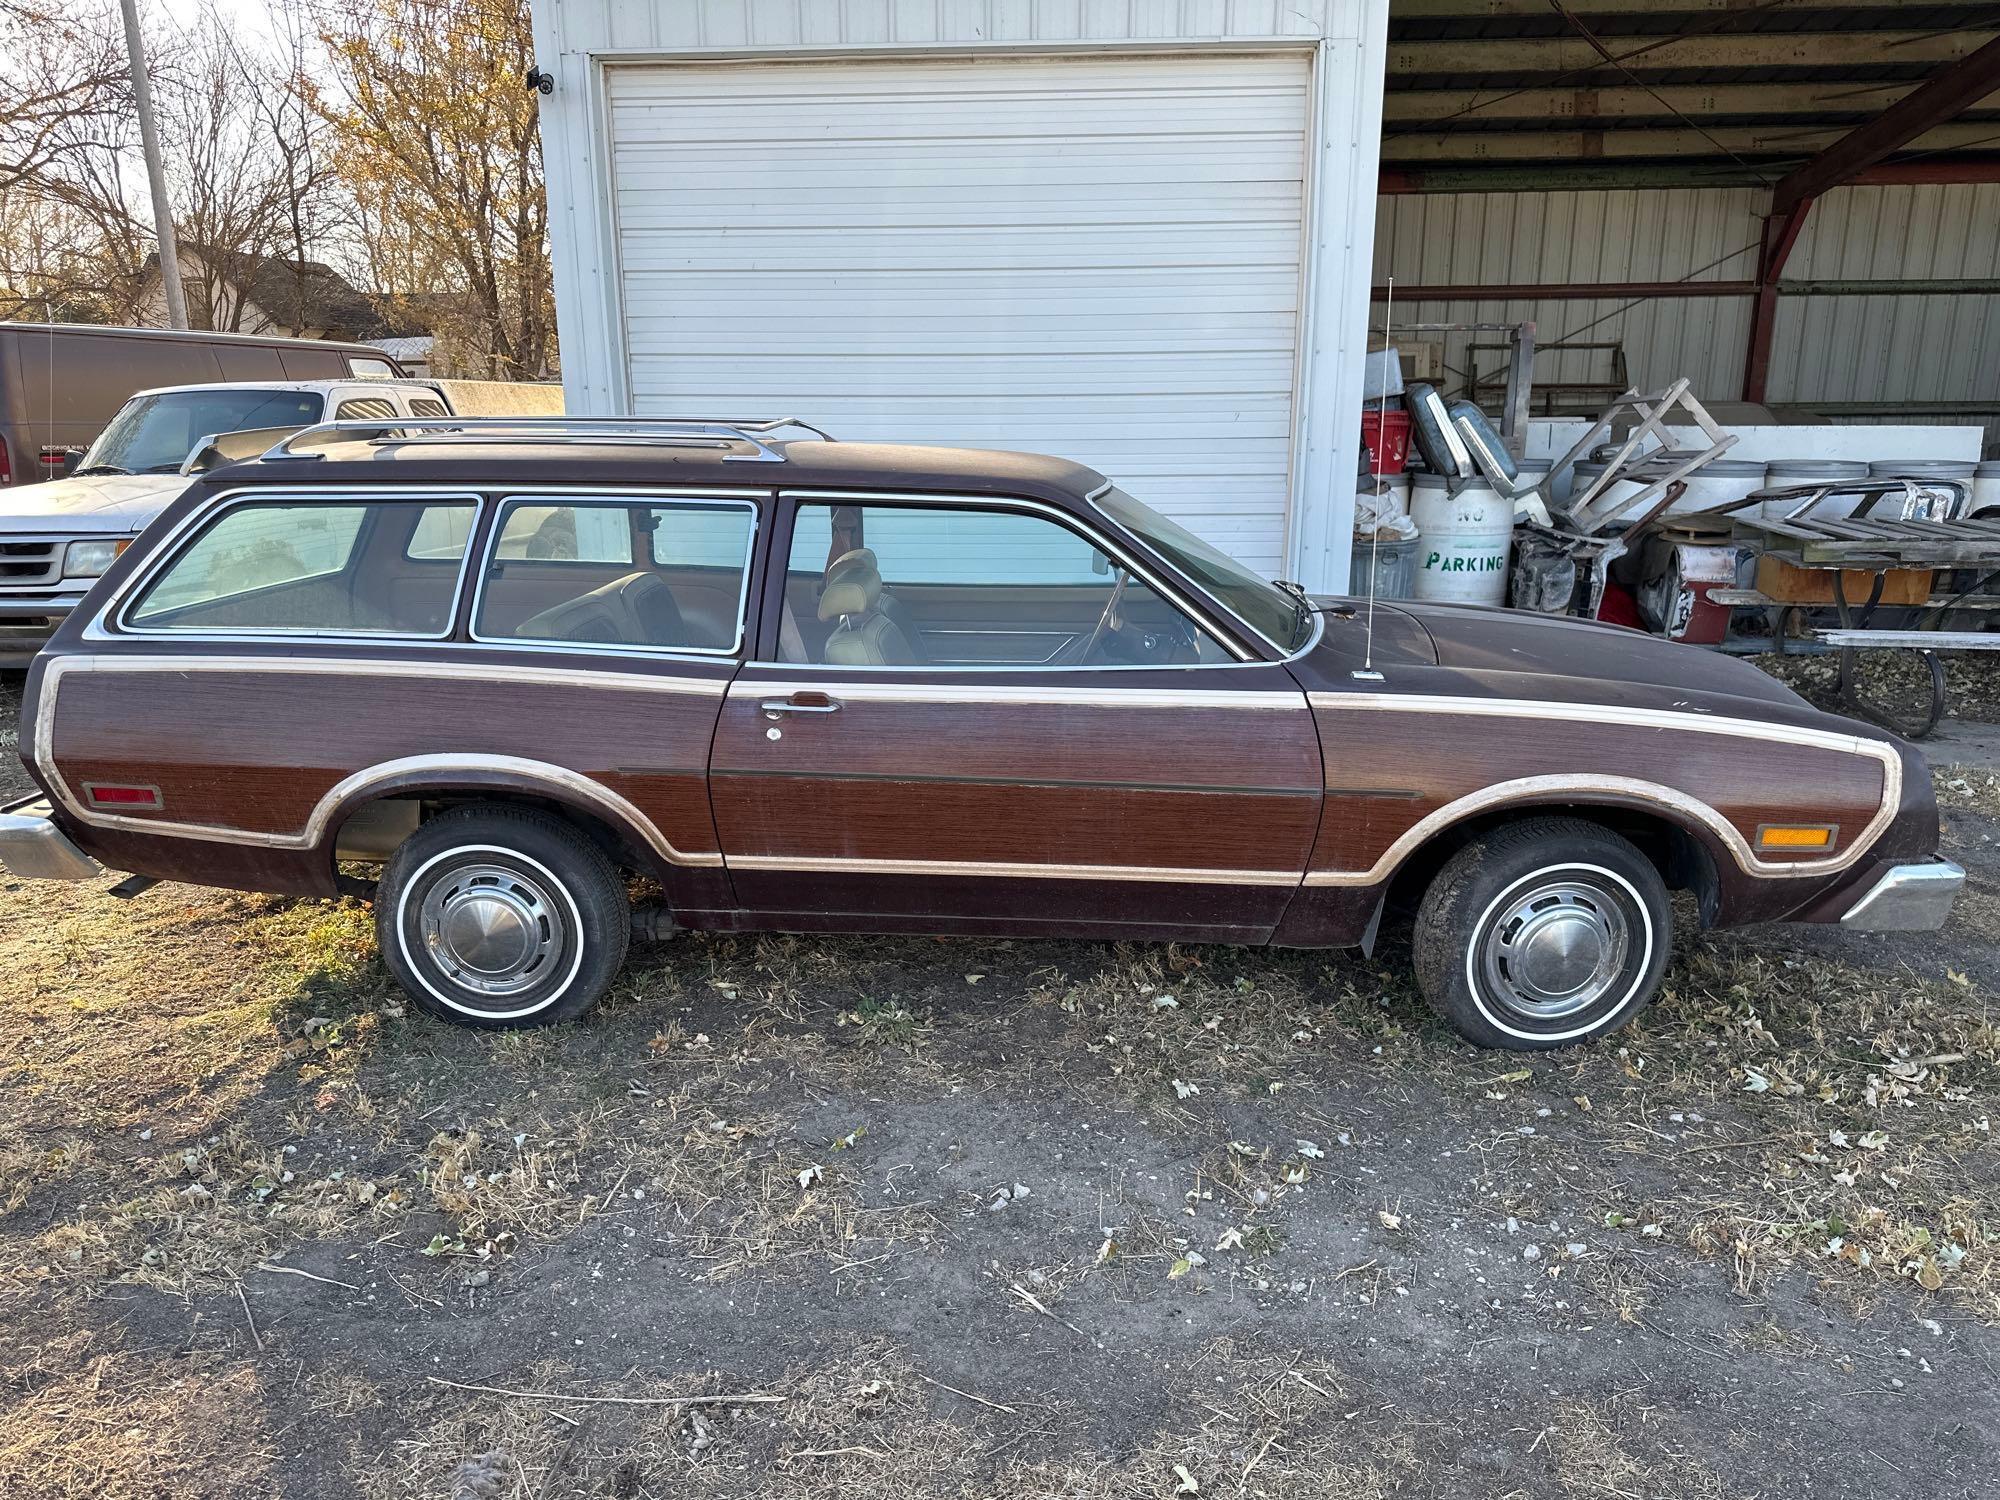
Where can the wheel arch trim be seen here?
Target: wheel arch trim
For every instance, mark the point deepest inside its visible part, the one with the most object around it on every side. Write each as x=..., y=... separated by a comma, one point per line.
x=1690, y=814
x=458, y=773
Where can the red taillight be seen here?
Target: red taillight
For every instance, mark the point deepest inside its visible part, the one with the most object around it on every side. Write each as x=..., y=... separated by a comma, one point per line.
x=100, y=795
x=6, y=464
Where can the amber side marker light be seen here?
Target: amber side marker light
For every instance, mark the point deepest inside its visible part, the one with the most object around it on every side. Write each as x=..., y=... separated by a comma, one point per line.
x=98, y=794
x=1788, y=836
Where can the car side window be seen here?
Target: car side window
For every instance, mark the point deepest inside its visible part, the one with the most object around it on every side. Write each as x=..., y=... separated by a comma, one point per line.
x=301, y=566
x=365, y=409
x=897, y=585
x=364, y=368
x=423, y=406
x=566, y=573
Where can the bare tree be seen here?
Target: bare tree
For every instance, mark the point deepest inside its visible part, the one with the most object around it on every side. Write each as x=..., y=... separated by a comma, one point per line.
x=65, y=79
x=440, y=147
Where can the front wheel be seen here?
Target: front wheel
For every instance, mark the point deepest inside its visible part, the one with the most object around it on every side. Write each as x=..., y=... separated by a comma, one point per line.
x=502, y=917
x=1542, y=933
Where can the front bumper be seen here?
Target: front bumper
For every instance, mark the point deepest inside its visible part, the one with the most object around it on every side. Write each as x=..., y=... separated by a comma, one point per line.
x=33, y=848
x=27, y=623
x=1908, y=898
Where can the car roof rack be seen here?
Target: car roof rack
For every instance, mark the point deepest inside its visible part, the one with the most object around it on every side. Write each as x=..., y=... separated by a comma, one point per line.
x=749, y=440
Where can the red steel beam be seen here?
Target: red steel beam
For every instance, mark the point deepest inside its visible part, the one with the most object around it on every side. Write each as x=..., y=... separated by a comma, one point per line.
x=1931, y=170
x=1781, y=232
x=1945, y=95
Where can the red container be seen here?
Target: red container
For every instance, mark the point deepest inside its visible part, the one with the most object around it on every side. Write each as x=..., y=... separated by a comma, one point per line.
x=1385, y=433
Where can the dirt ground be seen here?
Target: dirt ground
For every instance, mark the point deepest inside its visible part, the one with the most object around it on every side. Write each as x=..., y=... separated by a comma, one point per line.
x=808, y=1217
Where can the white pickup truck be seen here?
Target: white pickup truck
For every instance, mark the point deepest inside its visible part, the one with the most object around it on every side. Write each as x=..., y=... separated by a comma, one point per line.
x=57, y=537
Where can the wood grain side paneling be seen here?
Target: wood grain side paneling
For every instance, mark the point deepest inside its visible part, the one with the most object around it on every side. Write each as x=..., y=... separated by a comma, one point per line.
x=256, y=751
x=1387, y=771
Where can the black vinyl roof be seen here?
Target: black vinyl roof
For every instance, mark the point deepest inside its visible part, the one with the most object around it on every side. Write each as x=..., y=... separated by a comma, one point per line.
x=497, y=466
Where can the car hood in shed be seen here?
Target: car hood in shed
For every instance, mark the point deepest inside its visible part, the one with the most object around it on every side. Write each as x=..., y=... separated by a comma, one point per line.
x=88, y=503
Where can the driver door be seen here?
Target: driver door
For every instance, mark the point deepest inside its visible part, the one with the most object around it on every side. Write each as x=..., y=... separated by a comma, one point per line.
x=974, y=717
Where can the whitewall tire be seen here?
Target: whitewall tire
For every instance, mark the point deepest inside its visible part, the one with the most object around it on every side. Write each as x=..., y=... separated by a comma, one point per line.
x=497, y=916
x=1543, y=933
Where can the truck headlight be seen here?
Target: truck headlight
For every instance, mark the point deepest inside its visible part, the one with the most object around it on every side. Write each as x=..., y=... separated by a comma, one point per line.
x=90, y=559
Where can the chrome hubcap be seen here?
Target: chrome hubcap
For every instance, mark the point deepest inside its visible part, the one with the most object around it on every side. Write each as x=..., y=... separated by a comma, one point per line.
x=1556, y=949
x=493, y=930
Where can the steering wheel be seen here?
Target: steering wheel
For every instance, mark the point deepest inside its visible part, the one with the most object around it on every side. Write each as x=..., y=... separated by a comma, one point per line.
x=1104, y=620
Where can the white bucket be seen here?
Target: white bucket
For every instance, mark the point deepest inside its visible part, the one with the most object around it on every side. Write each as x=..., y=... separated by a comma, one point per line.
x=1718, y=483
x=1465, y=541
x=1784, y=472
x=1985, y=488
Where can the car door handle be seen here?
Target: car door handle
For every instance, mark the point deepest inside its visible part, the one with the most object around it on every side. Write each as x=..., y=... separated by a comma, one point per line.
x=800, y=703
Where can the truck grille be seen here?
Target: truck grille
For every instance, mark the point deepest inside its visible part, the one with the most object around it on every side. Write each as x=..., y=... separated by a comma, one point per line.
x=29, y=560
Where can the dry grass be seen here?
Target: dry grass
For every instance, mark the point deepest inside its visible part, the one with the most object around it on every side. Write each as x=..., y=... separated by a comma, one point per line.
x=1290, y=1428
x=197, y=1082
x=82, y=1423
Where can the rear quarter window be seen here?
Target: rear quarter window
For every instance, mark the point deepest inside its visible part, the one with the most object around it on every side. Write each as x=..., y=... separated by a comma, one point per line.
x=306, y=567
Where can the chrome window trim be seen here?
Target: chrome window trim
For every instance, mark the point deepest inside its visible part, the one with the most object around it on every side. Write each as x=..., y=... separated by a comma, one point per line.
x=1312, y=639
x=625, y=498
x=996, y=693
x=907, y=499
x=111, y=623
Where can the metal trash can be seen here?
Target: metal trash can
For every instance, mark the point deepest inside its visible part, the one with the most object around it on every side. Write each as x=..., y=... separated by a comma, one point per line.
x=1394, y=565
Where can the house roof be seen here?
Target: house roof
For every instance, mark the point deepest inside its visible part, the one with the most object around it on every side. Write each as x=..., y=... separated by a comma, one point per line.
x=301, y=293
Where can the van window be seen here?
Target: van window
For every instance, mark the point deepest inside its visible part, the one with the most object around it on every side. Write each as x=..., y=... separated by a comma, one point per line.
x=283, y=566
x=365, y=408
x=565, y=573
x=363, y=368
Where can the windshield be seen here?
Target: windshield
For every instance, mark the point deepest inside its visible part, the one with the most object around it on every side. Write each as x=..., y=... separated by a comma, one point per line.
x=152, y=434
x=1259, y=603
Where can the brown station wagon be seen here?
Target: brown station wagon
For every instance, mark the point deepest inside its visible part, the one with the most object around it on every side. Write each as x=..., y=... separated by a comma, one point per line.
x=813, y=686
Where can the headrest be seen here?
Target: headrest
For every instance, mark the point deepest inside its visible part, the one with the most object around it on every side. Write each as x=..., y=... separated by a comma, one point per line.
x=853, y=591
x=852, y=585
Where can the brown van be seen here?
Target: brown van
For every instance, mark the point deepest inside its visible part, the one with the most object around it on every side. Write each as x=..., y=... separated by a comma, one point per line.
x=61, y=382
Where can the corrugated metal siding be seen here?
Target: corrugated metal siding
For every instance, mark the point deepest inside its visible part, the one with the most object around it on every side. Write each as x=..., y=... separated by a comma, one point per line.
x=1826, y=349
x=1893, y=348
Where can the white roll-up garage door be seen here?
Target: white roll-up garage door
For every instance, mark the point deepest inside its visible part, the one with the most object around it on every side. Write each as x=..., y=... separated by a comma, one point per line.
x=1096, y=257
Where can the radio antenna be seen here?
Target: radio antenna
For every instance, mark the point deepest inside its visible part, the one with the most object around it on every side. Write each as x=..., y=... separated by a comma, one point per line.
x=1368, y=671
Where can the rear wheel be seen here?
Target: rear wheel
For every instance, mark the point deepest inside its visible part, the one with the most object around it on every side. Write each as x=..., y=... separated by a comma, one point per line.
x=1542, y=933
x=502, y=917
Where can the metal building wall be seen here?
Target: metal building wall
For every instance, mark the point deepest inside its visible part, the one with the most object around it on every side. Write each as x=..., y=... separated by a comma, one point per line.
x=1893, y=348
x=1884, y=349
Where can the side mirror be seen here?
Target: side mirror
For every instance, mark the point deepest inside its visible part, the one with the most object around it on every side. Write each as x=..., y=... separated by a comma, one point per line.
x=1099, y=563
x=70, y=459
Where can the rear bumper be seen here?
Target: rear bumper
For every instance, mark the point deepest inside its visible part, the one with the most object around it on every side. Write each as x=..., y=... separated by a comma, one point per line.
x=33, y=848
x=1908, y=898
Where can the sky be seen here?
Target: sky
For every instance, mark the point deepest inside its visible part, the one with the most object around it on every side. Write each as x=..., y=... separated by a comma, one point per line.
x=248, y=18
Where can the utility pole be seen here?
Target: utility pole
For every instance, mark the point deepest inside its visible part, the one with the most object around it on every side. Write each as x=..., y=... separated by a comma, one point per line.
x=156, y=176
